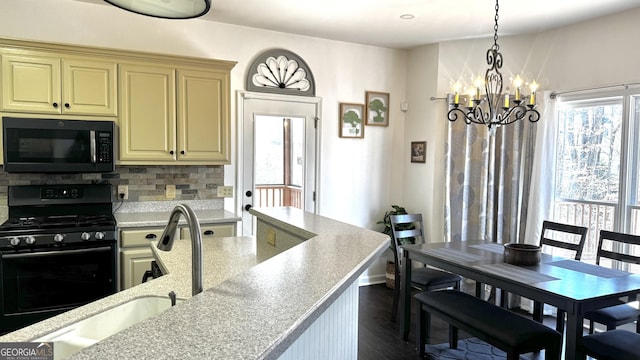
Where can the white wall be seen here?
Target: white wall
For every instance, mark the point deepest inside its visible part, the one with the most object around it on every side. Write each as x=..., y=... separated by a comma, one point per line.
x=422, y=182
x=357, y=175
x=595, y=53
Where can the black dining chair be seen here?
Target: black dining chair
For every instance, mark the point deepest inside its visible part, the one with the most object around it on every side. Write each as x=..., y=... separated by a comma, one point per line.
x=561, y=236
x=612, y=345
x=620, y=250
x=407, y=226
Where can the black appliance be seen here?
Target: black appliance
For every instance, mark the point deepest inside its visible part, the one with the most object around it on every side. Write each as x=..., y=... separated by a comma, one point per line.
x=58, y=146
x=58, y=251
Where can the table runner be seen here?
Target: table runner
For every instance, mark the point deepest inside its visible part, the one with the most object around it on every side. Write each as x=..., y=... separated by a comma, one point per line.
x=458, y=256
x=599, y=271
x=517, y=273
x=494, y=248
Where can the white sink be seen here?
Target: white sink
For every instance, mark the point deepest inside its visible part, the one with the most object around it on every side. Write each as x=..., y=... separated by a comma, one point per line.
x=86, y=332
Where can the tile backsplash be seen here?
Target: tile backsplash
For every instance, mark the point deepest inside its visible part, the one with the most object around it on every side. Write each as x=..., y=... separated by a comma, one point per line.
x=146, y=183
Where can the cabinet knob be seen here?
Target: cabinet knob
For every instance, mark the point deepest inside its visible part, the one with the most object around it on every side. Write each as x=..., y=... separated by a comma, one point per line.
x=151, y=236
x=247, y=207
x=182, y=152
x=171, y=152
x=67, y=105
x=55, y=105
x=208, y=232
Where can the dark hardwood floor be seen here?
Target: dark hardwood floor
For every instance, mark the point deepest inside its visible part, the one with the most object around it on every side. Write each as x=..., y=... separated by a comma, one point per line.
x=378, y=336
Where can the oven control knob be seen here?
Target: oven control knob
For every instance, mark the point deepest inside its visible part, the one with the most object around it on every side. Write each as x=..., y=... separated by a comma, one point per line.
x=14, y=241
x=99, y=235
x=58, y=238
x=30, y=240
x=85, y=236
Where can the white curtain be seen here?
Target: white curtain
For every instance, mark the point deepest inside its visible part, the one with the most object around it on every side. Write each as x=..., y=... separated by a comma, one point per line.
x=542, y=174
x=542, y=184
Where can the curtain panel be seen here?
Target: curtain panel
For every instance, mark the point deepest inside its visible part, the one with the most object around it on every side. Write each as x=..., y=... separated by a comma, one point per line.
x=487, y=182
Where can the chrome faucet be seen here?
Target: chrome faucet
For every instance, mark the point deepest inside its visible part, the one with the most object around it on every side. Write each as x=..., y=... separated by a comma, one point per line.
x=166, y=242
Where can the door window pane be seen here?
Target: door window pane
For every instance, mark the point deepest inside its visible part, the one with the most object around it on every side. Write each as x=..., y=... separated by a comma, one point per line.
x=269, y=150
x=297, y=151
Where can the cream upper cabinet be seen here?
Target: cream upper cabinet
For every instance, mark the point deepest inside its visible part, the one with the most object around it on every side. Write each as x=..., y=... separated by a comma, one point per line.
x=202, y=116
x=55, y=85
x=173, y=116
x=90, y=87
x=148, y=115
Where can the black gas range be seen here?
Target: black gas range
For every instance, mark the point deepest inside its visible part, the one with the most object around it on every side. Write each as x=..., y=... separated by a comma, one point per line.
x=58, y=251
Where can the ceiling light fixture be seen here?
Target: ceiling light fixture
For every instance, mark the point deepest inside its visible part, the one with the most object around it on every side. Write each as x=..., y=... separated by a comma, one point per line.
x=494, y=108
x=166, y=9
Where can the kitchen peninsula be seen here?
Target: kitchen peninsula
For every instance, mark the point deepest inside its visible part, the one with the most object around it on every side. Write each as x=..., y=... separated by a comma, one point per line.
x=279, y=308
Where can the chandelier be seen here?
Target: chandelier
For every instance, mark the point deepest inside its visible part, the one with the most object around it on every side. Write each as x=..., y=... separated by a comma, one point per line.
x=166, y=9
x=495, y=108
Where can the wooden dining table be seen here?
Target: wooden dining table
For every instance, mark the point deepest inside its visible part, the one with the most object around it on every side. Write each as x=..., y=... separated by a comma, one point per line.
x=573, y=286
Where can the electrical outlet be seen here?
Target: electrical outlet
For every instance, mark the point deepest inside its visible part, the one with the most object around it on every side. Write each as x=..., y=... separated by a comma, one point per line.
x=271, y=237
x=225, y=191
x=170, y=191
x=123, y=192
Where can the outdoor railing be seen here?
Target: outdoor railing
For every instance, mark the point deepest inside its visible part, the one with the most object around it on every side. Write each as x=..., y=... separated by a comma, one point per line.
x=595, y=216
x=278, y=195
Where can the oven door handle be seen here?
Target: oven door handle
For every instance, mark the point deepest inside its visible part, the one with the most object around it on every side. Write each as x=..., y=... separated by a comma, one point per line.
x=92, y=136
x=55, y=252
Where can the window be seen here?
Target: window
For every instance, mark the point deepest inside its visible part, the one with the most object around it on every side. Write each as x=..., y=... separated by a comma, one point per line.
x=597, y=181
x=279, y=161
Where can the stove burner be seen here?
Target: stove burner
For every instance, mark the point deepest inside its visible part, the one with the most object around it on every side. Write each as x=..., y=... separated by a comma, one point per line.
x=38, y=220
x=57, y=221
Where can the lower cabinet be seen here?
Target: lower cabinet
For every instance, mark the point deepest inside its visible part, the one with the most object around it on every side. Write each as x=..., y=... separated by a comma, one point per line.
x=136, y=254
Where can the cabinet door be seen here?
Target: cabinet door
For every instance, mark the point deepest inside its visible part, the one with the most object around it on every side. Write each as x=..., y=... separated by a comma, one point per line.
x=134, y=263
x=89, y=87
x=148, y=113
x=203, y=129
x=31, y=84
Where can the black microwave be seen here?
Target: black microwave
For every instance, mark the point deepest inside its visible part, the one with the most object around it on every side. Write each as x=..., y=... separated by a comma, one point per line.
x=35, y=145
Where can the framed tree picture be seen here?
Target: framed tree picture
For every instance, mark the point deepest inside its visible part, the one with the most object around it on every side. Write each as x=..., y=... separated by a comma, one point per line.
x=351, y=124
x=418, y=151
x=377, y=108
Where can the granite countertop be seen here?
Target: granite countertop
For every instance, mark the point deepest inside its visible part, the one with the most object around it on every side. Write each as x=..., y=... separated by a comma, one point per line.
x=249, y=310
x=160, y=217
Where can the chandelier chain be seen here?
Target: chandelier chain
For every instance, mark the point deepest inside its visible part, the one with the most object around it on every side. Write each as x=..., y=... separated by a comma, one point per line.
x=495, y=29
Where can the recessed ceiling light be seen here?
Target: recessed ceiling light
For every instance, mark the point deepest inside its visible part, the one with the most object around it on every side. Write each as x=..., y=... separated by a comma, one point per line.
x=407, y=16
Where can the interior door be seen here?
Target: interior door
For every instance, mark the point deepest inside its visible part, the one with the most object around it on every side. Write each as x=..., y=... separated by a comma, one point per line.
x=279, y=153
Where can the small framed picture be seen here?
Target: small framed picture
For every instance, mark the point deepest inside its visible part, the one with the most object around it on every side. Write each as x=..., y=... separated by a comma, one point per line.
x=377, y=108
x=418, y=151
x=351, y=123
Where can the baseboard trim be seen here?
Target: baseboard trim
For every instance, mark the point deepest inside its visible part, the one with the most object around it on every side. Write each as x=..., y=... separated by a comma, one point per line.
x=366, y=280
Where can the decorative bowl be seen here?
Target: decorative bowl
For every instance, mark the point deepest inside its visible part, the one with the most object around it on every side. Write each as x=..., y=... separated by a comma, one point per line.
x=521, y=254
